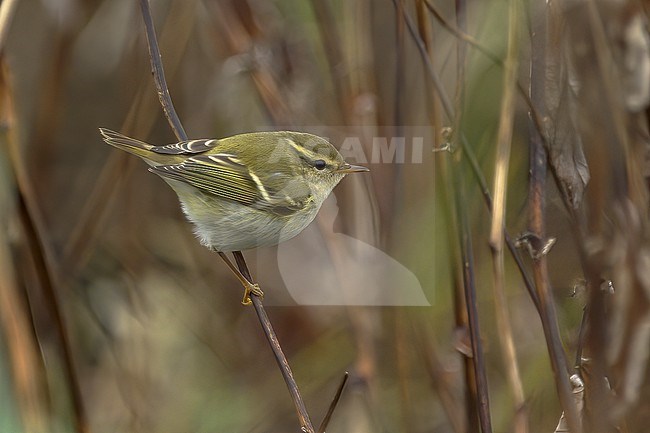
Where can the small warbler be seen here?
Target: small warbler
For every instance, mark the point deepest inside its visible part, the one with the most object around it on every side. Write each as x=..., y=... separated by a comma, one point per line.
x=249, y=190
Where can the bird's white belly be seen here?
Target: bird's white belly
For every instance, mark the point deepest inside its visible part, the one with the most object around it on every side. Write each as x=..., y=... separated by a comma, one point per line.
x=228, y=226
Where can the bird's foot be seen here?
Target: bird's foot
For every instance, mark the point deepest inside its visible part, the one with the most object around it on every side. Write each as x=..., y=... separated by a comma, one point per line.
x=251, y=289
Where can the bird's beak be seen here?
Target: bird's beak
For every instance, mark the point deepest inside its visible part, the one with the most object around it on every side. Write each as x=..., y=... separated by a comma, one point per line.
x=349, y=168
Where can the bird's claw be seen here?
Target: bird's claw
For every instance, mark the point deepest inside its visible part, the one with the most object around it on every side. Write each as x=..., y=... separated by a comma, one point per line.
x=251, y=289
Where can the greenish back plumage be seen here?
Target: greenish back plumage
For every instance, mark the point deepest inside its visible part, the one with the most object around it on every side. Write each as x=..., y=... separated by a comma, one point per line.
x=248, y=190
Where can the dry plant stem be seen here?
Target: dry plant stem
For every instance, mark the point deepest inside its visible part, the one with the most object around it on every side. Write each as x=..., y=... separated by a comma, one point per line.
x=433, y=76
x=516, y=383
x=335, y=401
x=460, y=416
x=577, y=365
x=18, y=331
x=329, y=34
x=598, y=341
x=477, y=376
x=159, y=73
x=403, y=367
x=139, y=120
x=272, y=338
x=240, y=43
x=398, y=115
x=469, y=285
x=468, y=152
x=174, y=121
x=30, y=217
x=461, y=309
x=401, y=355
x=437, y=374
x=7, y=9
x=462, y=35
x=45, y=277
x=17, y=326
x=536, y=225
x=504, y=135
x=27, y=370
x=504, y=140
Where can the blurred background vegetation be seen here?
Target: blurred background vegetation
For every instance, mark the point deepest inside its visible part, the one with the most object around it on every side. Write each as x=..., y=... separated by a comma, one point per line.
x=115, y=319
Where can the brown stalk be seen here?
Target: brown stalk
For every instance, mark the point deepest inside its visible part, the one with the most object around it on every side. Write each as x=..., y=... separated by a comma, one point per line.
x=469, y=153
x=241, y=43
x=440, y=383
x=327, y=27
x=351, y=78
x=33, y=226
x=536, y=225
x=174, y=121
x=7, y=10
x=471, y=303
x=480, y=386
x=504, y=140
x=403, y=366
x=462, y=308
x=458, y=415
x=335, y=401
x=19, y=334
x=469, y=289
x=27, y=369
x=139, y=121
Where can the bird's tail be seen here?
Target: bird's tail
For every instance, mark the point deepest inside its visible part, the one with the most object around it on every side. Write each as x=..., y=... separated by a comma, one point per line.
x=128, y=144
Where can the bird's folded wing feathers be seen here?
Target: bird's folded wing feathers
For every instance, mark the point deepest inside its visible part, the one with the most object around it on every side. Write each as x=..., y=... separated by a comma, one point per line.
x=223, y=176
x=187, y=147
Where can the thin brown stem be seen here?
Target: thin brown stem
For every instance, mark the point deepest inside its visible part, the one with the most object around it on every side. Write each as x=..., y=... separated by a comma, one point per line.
x=175, y=123
x=504, y=141
x=469, y=284
x=462, y=309
x=16, y=321
x=159, y=73
x=33, y=226
x=330, y=36
x=335, y=401
x=280, y=358
x=440, y=383
x=536, y=225
x=469, y=154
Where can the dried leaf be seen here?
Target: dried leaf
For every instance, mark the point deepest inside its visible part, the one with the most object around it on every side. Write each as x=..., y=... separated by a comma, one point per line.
x=565, y=146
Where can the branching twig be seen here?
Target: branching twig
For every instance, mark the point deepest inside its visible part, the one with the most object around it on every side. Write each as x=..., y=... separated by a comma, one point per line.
x=536, y=225
x=469, y=153
x=175, y=123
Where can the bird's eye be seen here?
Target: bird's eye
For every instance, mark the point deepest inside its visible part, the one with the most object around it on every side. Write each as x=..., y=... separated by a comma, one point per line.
x=319, y=164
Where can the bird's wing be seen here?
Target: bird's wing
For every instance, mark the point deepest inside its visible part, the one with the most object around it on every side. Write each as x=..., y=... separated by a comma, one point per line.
x=224, y=176
x=188, y=147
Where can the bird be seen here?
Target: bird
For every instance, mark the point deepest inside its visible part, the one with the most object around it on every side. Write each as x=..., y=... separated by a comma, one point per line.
x=245, y=191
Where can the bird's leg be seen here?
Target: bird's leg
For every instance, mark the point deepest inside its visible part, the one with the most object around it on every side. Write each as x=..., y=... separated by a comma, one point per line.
x=249, y=288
